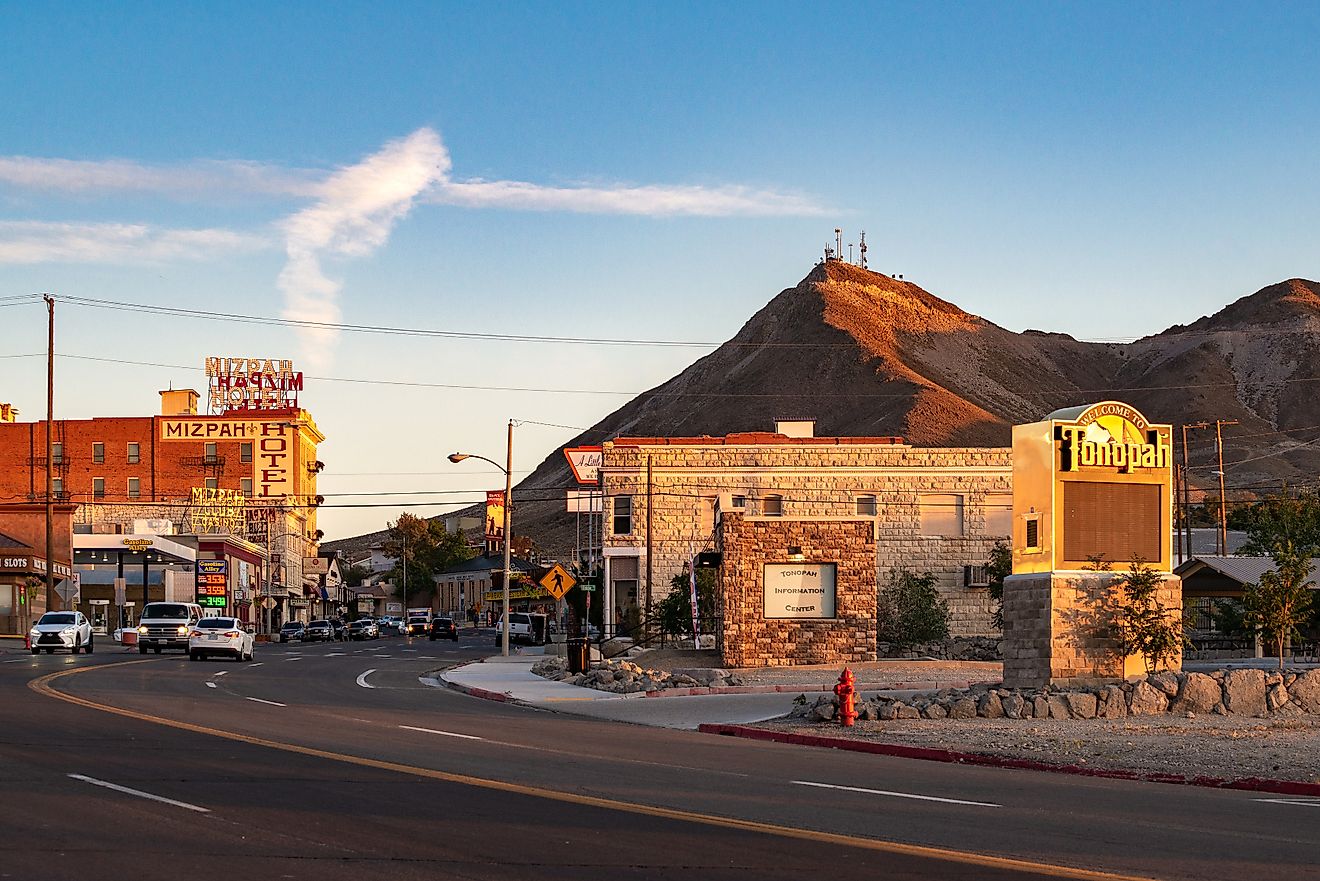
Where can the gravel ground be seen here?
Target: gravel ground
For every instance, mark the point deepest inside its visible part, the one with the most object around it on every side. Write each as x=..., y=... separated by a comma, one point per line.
x=1216, y=746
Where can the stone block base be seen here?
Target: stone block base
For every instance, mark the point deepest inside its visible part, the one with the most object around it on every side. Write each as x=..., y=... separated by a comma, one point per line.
x=1059, y=629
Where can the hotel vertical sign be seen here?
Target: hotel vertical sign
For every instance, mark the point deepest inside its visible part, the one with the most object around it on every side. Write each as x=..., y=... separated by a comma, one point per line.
x=272, y=447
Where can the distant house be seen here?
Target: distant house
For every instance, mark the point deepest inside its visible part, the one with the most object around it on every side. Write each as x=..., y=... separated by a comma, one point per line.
x=1207, y=579
x=476, y=584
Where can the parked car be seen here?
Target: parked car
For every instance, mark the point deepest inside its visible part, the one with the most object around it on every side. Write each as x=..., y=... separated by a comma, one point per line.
x=319, y=631
x=363, y=628
x=220, y=636
x=61, y=630
x=390, y=625
x=166, y=626
x=443, y=628
x=293, y=630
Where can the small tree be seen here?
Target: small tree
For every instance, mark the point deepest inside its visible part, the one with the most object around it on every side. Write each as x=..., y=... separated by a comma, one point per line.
x=997, y=568
x=1144, y=625
x=1281, y=601
x=674, y=612
x=910, y=609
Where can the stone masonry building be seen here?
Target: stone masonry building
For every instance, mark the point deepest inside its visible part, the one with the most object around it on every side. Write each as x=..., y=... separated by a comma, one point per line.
x=933, y=509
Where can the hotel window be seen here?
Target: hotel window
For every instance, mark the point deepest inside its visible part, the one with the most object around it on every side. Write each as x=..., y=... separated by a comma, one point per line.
x=623, y=510
x=998, y=515
x=98, y=453
x=942, y=515
x=245, y=452
x=98, y=487
x=210, y=453
x=245, y=485
x=57, y=454
x=866, y=506
x=134, y=455
x=57, y=487
x=134, y=487
x=738, y=502
x=773, y=506
x=212, y=483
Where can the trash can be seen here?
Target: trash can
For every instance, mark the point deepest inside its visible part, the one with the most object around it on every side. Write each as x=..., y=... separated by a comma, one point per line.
x=579, y=655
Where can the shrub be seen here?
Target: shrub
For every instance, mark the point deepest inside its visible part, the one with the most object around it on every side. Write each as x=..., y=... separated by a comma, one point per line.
x=1144, y=626
x=910, y=610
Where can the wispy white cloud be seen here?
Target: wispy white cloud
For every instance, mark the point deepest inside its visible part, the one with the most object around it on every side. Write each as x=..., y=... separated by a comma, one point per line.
x=649, y=200
x=27, y=241
x=357, y=208
x=200, y=178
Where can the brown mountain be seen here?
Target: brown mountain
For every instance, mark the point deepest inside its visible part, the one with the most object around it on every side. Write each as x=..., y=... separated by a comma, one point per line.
x=866, y=354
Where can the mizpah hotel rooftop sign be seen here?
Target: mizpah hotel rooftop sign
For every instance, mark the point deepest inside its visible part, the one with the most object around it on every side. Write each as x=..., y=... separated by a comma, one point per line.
x=246, y=384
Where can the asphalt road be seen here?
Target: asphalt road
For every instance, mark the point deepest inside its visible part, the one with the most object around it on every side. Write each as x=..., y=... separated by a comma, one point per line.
x=335, y=761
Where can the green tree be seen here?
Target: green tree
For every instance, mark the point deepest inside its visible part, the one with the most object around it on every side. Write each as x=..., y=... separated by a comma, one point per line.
x=1279, y=522
x=1281, y=600
x=429, y=549
x=997, y=568
x=1144, y=625
x=674, y=612
x=910, y=610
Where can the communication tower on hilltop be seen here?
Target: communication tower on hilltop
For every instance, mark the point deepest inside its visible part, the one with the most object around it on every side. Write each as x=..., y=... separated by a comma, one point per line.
x=838, y=242
x=861, y=248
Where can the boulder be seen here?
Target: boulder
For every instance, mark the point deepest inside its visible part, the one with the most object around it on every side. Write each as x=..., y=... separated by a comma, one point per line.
x=1114, y=705
x=1244, y=692
x=1081, y=703
x=1147, y=700
x=1013, y=705
x=906, y=712
x=887, y=712
x=1199, y=694
x=933, y=711
x=1305, y=691
x=963, y=708
x=1059, y=707
x=1040, y=707
x=1276, y=696
x=990, y=706
x=1166, y=681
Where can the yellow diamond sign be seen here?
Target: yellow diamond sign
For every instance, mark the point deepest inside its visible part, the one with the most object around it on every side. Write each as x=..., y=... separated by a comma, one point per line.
x=558, y=582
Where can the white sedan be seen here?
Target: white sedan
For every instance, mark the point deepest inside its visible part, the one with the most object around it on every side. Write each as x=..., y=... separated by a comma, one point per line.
x=220, y=636
x=61, y=630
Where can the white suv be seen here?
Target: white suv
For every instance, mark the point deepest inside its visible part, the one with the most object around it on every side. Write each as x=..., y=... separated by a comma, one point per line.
x=61, y=630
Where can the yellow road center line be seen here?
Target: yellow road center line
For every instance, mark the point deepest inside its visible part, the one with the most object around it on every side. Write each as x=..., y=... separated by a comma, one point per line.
x=43, y=686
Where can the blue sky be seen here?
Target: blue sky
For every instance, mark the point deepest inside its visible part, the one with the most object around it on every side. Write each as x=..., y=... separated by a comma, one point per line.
x=617, y=170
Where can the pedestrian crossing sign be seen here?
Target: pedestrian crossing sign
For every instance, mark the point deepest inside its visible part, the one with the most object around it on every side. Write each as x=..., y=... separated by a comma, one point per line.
x=558, y=581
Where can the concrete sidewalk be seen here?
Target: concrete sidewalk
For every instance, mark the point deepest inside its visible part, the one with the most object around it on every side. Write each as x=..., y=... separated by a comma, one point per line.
x=511, y=679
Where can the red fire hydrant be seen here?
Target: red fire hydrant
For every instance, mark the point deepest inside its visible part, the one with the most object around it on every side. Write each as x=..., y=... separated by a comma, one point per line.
x=846, y=692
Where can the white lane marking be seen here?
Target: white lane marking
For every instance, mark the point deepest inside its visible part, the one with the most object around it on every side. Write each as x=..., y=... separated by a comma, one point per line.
x=223, y=673
x=410, y=650
x=140, y=794
x=210, y=685
x=1300, y=802
x=272, y=703
x=362, y=680
x=947, y=801
x=427, y=658
x=335, y=655
x=257, y=664
x=292, y=659
x=445, y=733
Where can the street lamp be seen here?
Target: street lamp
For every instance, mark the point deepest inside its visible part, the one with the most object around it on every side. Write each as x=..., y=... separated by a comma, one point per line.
x=507, y=468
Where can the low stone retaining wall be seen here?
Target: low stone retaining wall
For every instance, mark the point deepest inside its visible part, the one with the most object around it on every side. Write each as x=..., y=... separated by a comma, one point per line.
x=625, y=677
x=1241, y=692
x=964, y=648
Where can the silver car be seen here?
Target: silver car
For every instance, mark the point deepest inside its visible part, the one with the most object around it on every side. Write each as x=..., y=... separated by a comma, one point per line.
x=61, y=630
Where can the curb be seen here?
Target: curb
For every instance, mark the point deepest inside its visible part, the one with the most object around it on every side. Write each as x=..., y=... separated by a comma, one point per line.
x=1250, y=784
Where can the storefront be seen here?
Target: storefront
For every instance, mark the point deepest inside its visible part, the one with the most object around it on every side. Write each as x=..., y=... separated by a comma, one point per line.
x=22, y=585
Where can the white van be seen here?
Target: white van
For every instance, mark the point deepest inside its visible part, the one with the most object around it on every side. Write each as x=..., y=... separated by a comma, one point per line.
x=167, y=626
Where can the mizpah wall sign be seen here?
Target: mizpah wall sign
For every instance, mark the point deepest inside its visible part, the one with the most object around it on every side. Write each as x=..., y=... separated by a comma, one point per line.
x=1090, y=484
x=799, y=590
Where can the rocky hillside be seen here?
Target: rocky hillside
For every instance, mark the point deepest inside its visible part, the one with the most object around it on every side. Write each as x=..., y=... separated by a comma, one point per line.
x=866, y=354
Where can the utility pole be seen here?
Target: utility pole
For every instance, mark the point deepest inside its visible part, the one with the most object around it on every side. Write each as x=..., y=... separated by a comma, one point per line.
x=1223, y=502
x=50, y=451
x=650, y=555
x=1187, y=486
x=508, y=536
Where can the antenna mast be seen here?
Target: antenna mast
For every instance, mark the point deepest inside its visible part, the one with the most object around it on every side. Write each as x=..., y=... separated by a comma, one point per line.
x=862, y=249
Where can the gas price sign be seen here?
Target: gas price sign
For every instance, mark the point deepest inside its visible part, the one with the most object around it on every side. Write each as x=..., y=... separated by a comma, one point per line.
x=213, y=583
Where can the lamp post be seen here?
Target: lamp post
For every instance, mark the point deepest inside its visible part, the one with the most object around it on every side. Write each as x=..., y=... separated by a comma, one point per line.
x=507, y=468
